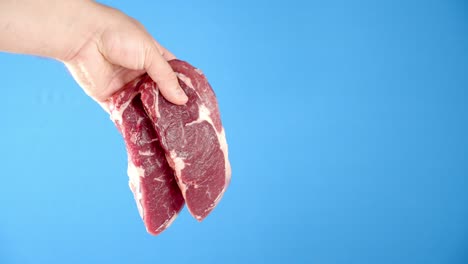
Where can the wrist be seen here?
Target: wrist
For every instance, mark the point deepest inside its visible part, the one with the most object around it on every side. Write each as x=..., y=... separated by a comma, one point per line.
x=90, y=24
x=84, y=24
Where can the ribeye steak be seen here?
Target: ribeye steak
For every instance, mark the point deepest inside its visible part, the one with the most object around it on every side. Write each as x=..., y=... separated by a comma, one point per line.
x=175, y=153
x=193, y=138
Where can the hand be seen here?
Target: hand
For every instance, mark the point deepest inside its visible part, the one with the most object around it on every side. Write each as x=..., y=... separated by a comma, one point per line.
x=103, y=48
x=118, y=53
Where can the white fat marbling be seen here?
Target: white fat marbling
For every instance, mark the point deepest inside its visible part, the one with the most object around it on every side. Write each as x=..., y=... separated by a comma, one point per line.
x=146, y=153
x=185, y=79
x=134, y=175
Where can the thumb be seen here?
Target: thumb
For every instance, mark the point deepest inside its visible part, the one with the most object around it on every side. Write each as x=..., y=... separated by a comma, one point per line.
x=161, y=72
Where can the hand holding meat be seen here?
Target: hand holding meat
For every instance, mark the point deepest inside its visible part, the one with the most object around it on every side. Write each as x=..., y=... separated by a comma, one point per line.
x=103, y=48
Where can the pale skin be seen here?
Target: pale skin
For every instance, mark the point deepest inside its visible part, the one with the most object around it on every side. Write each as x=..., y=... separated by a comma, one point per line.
x=102, y=47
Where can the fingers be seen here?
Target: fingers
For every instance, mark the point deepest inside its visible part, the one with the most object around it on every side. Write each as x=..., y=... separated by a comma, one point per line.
x=164, y=52
x=161, y=72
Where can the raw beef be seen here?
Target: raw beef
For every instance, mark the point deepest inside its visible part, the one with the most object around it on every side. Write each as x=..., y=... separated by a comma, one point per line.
x=193, y=137
x=175, y=153
x=151, y=179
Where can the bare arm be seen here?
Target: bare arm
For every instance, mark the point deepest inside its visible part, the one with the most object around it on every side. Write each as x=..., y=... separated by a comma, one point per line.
x=102, y=47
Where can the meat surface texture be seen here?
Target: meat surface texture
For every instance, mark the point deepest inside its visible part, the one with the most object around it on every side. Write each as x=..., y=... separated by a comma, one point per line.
x=176, y=153
x=151, y=180
x=193, y=138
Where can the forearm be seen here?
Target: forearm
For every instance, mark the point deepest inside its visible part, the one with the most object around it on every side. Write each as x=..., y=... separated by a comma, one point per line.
x=48, y=28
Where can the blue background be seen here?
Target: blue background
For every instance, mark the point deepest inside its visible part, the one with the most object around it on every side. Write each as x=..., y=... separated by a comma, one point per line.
x=347, y=127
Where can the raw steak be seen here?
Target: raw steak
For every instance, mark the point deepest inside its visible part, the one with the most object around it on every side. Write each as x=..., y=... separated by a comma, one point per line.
x=193, y=138
x=151, y=179
x=163, y=139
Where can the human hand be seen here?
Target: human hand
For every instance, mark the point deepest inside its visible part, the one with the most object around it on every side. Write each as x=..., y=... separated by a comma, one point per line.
x=118, y=52
x=103, y=48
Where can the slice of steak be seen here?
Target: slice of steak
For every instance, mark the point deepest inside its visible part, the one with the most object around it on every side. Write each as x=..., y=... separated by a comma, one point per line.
x=152, y=181
x=193, y=138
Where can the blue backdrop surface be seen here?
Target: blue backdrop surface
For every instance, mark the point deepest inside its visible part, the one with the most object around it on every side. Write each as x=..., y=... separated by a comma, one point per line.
x=347, y=123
